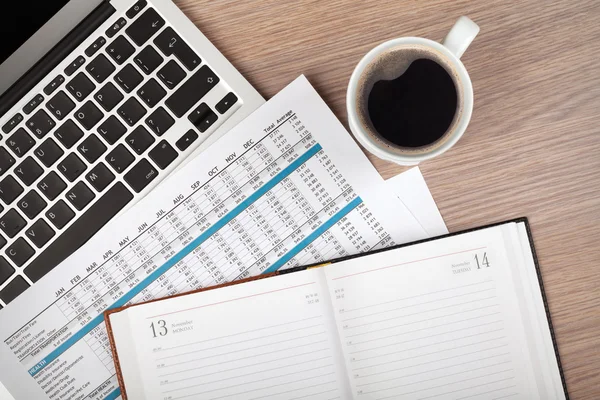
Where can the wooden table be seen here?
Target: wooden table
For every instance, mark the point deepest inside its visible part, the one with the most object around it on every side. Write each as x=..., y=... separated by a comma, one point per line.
x=532, y=148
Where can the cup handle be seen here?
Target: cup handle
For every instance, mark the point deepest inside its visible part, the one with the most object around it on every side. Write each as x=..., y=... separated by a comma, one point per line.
x=461, y=35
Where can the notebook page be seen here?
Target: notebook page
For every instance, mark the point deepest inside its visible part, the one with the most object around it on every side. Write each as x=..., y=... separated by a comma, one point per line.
x=438, y=320
x=268, y=339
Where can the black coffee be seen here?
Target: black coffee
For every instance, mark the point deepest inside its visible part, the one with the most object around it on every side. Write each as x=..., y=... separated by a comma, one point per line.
x=408, y=99
x=416, y=108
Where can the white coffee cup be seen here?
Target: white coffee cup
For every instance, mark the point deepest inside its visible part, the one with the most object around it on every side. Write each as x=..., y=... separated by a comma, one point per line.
x=456, y=42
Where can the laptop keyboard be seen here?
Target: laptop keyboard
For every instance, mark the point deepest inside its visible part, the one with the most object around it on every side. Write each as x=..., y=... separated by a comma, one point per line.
x=79, y=151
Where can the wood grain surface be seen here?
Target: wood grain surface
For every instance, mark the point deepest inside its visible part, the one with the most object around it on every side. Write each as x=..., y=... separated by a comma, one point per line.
x=532, y=148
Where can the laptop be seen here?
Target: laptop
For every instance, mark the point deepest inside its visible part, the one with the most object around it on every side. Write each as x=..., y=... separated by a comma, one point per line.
x=100, y=101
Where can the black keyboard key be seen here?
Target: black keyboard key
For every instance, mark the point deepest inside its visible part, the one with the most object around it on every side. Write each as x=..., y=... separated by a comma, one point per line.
x=140, y=175
x=20, y=142
x=2, y=243
x=52, y=86
x=116, y=27
x=99, y=213
x=128, y=78
x=91, y=148
x=74, y=66
x=39, y=233
x=6, y=270
x=59, y=214
x=10, y=189
x=135, y=9
x=108, y=96
x=140, y=139
x=151, y=92
x=148, y=60
x=80, y=86
x=6, y=161
x=170, y=42
x=191, y=91
x=120, y=50
x=100, y=177
x=14, y=121
x=19, y=251
x=48, y=152
x=186, y=140
x=112, y=129
x=88, y=115
x=17, y=286
x=28, y=171
x=31, y=204
x=80, y=195
x=120, y=158
x=100, y=68
x=226, y=103
x=171, y=74
x=163, y=154
x=94, y=47
x=71, y=167
x=40, y=123
x=33, y=103
x=51, y=185
x=68, y=133
x=202, y=117
x=60, y=105
x=131, y=111
x=159, y=121
x=145, y=26
x=12, y=222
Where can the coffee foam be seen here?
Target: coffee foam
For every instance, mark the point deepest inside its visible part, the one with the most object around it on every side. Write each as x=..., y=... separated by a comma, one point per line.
x=390, y=65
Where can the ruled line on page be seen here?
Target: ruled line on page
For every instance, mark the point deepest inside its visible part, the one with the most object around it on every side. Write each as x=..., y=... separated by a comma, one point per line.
x=426, y=311
x=442, y=394
x=316, y=394
x=429, y=319
x=426, y=354
x=237, y=334
x=488, y=392
x=246, y=341
x=270, y=378
x=254, y=356
x=314, y=360
x=289, y=391
x=420, y=304
x=427, y=371
x=407, y=262
x=265, y=387
x=243, y=366
x=441, y=359
x=438, y=377
x=471, y=387
x=418, y=295
x=426, y=345
x=232, y=300
x=430, y=336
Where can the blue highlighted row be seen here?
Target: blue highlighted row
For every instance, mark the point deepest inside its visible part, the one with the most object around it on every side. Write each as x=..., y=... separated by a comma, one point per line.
x=114, y=394
x=177, y=257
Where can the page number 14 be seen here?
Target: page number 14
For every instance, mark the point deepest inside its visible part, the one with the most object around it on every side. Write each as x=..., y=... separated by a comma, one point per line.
x=482, y=261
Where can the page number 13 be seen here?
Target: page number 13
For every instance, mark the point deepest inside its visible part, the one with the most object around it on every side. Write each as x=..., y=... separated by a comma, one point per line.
x=159, y=329
x=483, y=261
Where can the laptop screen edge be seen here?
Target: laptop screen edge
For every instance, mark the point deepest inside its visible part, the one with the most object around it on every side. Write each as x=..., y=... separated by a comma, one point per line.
x=43, y=40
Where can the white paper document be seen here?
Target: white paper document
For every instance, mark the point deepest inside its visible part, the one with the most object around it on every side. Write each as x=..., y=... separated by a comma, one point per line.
x=286, y=187
x=411, y=189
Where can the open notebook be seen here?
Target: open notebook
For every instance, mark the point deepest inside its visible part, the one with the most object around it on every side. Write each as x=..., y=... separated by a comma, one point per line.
x=457, y=317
